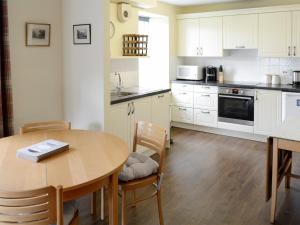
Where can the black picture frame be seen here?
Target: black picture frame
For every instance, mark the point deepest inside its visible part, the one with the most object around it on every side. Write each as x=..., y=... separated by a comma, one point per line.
x=82, y=34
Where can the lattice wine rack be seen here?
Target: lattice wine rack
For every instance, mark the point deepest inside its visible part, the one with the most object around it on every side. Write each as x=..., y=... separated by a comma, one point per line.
x=135, y=45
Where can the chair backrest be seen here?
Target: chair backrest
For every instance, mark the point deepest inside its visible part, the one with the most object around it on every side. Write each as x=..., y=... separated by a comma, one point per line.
x=38, y=207
x=50, y=125
x=152, y=137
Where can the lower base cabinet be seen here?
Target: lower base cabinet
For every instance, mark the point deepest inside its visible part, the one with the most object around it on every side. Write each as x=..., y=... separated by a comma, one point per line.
x=207, y=118
x=123, y=117
x=267, y=113
x=182, y=114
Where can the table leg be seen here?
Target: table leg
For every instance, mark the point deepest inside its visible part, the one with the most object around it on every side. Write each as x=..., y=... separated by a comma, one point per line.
x=113, y=199
x=274, y=179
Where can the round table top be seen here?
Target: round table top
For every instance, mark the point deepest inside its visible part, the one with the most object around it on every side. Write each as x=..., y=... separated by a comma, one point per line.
x=91, y=156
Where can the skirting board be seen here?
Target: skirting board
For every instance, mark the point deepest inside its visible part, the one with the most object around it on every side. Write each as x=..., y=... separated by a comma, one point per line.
x=230, y=133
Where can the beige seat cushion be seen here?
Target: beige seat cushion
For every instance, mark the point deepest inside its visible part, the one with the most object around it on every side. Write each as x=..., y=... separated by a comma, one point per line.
x=138, y=166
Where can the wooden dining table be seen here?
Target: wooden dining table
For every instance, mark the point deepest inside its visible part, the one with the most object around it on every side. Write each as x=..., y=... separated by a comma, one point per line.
x=94, y=160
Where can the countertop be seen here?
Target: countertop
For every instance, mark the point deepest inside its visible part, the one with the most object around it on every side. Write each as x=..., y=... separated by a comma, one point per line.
x=281, y=87
x=137, y=93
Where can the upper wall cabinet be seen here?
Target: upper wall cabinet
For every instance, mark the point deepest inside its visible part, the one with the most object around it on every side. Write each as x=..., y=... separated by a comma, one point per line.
x=188, y=37
x=211, y=36
x=200, y=37
x=296, y=34
x=275, y=34
x=240, y=31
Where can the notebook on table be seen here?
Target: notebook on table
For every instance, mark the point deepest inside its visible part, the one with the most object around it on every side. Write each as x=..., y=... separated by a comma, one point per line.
x=42, y=150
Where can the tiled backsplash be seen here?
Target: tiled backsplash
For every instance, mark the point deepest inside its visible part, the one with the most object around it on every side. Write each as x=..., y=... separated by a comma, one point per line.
x=246, y=66
x=128, y=69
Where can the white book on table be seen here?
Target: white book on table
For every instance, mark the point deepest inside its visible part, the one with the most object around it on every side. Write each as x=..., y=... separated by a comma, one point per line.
x=42, y=150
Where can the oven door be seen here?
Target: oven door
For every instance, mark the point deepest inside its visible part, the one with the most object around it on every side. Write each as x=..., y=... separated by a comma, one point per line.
x=236, y=109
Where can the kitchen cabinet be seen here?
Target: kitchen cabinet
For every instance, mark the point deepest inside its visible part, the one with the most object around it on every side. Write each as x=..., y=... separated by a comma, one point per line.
x=207, y=118
x=200, y=37
x=119, y=121
x=296, y=34
x=267, y=111
x=275, y=34
x=211, y=36
x=205, y=101
x=182, y=114
x=123, y=117
x=182, y=95
x=240, y=31
x=188, y=37
x=160, y=111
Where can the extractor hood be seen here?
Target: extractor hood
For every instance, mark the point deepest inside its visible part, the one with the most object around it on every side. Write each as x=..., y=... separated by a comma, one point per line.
x=145, y=4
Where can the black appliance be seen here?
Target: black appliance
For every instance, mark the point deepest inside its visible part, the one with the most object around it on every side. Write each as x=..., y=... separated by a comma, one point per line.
x=236, y=106
x=210, y=74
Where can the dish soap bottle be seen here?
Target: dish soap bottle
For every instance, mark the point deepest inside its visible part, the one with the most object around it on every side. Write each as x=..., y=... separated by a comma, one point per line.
x=221, y=74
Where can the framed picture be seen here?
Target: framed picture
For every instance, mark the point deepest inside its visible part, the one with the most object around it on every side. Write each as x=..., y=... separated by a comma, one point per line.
x=82, y=34
x=38, y=34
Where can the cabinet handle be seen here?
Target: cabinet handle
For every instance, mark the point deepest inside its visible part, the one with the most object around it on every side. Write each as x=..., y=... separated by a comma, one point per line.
x=205, y=112
x=129, y=109
x=201, y=51
x=295, y=51
x=241, y=46
x=198, y=52
x=183, y=109
x=160, y=96
x=133, y=108
x=289, y=53
x=206, y=87
x=205, y=95
x=183, y=93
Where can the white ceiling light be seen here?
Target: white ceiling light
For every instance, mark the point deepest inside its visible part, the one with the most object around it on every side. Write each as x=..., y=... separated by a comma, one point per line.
x=196, y=2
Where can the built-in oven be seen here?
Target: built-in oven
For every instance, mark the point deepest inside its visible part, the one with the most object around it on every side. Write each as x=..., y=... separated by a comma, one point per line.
x=236, y=105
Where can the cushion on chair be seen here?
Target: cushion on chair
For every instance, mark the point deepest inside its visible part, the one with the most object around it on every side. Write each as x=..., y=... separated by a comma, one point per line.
x=138, y=166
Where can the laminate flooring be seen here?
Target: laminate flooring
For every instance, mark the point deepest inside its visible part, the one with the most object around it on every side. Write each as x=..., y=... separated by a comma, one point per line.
x=212, y=180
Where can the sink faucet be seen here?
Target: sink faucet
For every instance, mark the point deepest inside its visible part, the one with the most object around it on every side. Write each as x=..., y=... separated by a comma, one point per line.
x=119, y=86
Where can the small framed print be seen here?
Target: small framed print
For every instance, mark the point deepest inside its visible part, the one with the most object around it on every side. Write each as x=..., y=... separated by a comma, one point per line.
x=38, y=34
x=82, y=34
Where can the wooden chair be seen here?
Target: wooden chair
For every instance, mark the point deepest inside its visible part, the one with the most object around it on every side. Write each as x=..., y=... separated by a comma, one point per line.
x=49, y=125
x=38, y=207
x=154, y=138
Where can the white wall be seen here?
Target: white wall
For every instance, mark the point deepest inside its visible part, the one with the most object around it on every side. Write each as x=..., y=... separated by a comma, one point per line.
x=246, y=66
x=36, y=71
x=86, y=67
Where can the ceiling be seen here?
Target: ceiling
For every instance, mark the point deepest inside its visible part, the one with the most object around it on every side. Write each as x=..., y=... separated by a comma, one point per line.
x=196, y=2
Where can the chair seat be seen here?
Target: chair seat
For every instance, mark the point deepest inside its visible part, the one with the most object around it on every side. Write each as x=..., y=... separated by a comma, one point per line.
x=138, y=166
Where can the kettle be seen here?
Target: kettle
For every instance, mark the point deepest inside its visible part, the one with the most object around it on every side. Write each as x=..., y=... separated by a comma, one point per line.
x=296, y=77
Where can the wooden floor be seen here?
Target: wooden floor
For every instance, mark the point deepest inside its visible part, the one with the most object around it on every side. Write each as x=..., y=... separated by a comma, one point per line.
x=213, y=180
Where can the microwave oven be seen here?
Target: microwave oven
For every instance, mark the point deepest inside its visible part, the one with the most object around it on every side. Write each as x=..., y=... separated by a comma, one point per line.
x=189, y=73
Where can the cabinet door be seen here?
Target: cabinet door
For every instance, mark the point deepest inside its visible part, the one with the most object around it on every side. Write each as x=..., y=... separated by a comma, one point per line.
x=160, y=111
x=240, y=31
x=119, y=121
x=183, y=98
x=141, y=111
x=182, y=114
x=275, y=31
x=206, y=117
x=267, y=111
x=187, y=37
x=296, y=34
x=211, y=36
x=205, y=101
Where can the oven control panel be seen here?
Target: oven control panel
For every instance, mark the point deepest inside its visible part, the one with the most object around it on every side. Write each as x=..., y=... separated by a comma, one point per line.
x=237, y=91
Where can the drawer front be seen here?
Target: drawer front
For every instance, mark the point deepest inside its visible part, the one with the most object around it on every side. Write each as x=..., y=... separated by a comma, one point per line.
x=205, y=101
x=182, y=114
x=183, y=98
x=206, y=89
x=205, y=118
x=182, y=87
